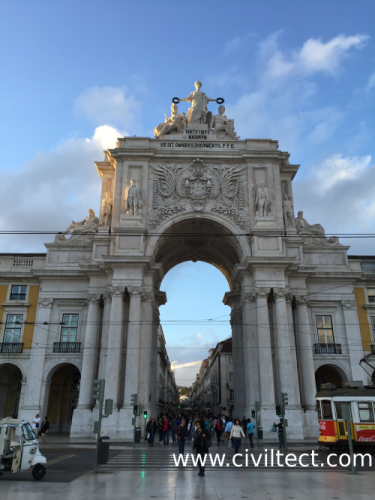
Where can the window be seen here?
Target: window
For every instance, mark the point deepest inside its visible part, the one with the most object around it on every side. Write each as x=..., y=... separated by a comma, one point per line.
x=371, y=294
x=325, y=329
x=231, y=394
x=69, y=328
x=339, y=412
x=230, y=359
x=230, y=377
x=18, y=293
x=319, y=409
x=373, y=325
x=366, y=413
x=13, y=328
x=327, y=410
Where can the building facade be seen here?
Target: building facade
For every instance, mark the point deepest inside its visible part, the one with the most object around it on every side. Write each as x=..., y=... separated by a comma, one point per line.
x=89, y=307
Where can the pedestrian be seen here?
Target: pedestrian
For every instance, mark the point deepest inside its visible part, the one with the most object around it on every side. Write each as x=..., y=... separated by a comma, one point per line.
x=227, y=430
x=218, y=431
x=280, y=433
x=160, y=429
x=182, y=434
x=189, y=427
x=166, y=429
x=200, y=446
x=250, y=432
x=44, y=428
x=235, y=434
x=173, y=429
x=151, y=429
x=35, y=424
x=244, y=425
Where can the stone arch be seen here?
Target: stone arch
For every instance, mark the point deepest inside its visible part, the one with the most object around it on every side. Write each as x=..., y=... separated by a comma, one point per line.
x=51, y=367
x=18, y=364
x=197, y=239
x=11, y=377
x=332, y=372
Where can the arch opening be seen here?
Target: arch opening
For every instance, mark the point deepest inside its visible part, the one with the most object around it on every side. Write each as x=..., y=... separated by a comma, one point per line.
x=10, y=390
x=329, y=374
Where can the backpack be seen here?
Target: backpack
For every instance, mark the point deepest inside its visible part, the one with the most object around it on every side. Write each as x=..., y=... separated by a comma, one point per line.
x=218, y=426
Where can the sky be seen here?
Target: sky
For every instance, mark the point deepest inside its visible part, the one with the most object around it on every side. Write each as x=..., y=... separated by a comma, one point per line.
x=78, y=74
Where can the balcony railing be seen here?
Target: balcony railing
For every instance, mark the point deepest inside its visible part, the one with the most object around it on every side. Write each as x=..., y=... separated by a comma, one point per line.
x=18, y=296
x=67, y=347
x=11, y=347
x=328, y=349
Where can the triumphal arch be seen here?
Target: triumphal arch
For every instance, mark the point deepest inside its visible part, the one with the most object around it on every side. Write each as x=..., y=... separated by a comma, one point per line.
x=197, y=191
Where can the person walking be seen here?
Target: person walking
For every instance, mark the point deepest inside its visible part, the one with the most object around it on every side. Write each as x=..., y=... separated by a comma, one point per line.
x=151, y=429
x=280, y=433
x=228, y=428
x=218, y=431
x=244, y=425
x=160, y=429
x=250, y=432
x=44, y=428
x=173, y=429
x=200, y=445
x=189, y=428
x=166, y=428
x=182, y=434
x=235, y=434
x=35, y=424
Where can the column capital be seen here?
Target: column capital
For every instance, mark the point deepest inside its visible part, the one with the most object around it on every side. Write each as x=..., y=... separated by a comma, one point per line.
x=348, y=304
x=247, y=297
x=261, y=292
x=281, y=292
x=147, y=296
x=289, y=298
x=117, y=291
x=45, y=302
x=107, y=296
x=301, y=299
x=236, y=317
x=135, y=291
x=93, y=298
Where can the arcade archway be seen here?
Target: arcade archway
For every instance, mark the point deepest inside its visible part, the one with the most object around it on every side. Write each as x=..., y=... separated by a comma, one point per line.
x=10, y=390
x=329, y=374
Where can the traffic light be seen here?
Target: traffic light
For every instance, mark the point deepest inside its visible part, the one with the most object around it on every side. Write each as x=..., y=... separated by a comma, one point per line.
x=179, y=406
x=135, y=409
x=285, y=422
x=253, y=414
x=144, y=413
x=98, y=390
x=278, y=410
x=284, y=398
x=134, y=399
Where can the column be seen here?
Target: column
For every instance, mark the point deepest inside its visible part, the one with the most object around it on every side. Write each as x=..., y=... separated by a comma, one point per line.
x=251, y=361
x=105, y=330
x=286, y=359
x=33, y=397
x=114, y=349
x=133, y=344
x=238, y=360
x=305, y=353
x=90, y=353
x=266, y=377
x=145, y=354
x=354, y=340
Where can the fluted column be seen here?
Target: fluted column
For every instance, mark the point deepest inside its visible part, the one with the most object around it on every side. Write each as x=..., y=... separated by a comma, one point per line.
x=105, y=331
x=114, y=349
x=238, y=358
x=90, y=353
x=305, y=353
x=33, y=397
x=266, y=377
x=251, y=358
x=286, y=359
x=133, y=344
x=353, y=337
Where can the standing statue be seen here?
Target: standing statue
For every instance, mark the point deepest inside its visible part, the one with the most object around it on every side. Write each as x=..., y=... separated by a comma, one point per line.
x=198, y=111
x=89, y=225
x=304, y=227
x=133, y=200
x=288, y=211
x=221, y=124
x=106, y=211
x=175, y=123
x=263, y=201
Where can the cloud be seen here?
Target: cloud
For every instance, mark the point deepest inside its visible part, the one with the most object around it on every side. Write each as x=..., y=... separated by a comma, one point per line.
x=53, y=188
x=337, y=168
x=235, y=44
x=110, y=105
x=313, y=56
x=371, y=82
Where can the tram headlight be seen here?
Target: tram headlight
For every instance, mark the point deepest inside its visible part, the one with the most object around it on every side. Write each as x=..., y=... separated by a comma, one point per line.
x=33, y=450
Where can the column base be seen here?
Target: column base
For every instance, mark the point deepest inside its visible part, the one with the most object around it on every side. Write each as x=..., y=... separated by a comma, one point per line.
x=83, y=423
x=296, y=423
x=311, y=424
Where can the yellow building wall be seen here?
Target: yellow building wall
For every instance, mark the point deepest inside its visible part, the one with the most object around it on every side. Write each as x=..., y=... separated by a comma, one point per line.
x=3, y=298
x=30, y=318
x=362, y=318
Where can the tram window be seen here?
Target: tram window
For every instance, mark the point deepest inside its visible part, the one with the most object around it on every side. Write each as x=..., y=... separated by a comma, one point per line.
x=327, y=410
x=319, y=410
x=366, y=413
x=339, y=412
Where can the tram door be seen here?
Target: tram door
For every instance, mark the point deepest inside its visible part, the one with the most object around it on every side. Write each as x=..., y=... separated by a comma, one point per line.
x=341, y=424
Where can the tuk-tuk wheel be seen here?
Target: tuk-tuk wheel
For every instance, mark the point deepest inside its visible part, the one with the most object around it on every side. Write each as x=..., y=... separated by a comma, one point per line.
x=39, y=471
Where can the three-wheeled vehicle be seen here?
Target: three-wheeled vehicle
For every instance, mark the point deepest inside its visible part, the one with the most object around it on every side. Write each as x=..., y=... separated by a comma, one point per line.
x=19, y=448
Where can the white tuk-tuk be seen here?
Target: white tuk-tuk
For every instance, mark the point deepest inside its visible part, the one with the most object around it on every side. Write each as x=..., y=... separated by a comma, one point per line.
x=19, y=448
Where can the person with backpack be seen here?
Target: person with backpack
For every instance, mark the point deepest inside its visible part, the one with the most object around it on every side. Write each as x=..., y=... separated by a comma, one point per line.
x=182, y=434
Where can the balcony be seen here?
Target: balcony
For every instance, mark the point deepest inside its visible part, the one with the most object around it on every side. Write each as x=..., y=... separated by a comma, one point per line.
x=66, y=347
x=11, y=347
x=18, y=296
x=328, y=349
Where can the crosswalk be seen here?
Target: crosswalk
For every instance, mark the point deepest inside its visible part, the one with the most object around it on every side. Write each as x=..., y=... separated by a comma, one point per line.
x=218, y=459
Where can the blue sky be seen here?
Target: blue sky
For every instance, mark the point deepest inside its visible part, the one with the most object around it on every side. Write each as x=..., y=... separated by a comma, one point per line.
x=78, y=74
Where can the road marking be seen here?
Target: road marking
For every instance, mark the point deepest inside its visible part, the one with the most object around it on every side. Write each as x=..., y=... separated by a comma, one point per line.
x=58, y=459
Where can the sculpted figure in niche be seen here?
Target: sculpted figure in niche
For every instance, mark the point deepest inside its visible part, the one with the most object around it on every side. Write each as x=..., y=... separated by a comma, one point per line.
x=175, y=123
x=88, y=225
x=303, y=226
x=106, y=212
x=198, y=111
x=222, y=125
x=263, y=201
x=134, y=200
x=288, y=211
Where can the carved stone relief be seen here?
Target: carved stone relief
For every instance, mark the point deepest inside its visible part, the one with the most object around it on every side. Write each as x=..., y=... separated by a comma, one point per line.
x=196, y=188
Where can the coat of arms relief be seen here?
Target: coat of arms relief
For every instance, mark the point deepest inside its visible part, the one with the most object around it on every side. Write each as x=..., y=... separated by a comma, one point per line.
x=197, y=188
